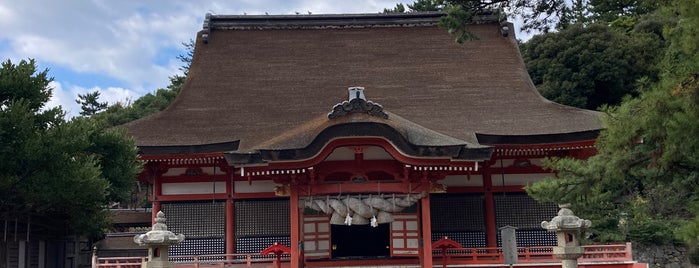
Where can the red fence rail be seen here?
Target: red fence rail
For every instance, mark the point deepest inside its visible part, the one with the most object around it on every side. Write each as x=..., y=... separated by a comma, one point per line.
x=592, y=254
x=197, y=261
x=120, y=262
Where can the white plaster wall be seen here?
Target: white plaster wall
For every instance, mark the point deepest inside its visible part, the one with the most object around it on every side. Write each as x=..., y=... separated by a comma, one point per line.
x=193, y=188
x=376, y=153
x=462, y=180
x=256, y=186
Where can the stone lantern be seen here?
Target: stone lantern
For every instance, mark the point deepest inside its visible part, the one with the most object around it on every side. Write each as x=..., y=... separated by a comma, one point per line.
x=568, y=228
x=158, y=241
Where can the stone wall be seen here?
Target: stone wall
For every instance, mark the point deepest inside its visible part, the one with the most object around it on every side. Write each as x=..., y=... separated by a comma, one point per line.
x=663, y=256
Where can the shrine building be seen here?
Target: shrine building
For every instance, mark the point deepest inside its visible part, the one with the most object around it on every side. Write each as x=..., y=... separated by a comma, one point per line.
x=355, y=138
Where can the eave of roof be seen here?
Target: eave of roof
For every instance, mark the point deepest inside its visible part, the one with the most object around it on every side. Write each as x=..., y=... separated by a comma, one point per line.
x=316, y=21
x=309, y=139
x=249, y=84
x=537, y=139
x=188, y=148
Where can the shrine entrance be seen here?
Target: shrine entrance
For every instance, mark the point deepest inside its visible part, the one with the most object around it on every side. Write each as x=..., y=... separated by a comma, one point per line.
x=360, y=241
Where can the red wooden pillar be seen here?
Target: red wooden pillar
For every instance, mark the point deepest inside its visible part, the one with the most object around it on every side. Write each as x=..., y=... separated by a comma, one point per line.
x=490, y=228
x=230, y=224
x=230, y=228
x=155, y=209
x=294, y=209
x=426, y=231
x=155, y=204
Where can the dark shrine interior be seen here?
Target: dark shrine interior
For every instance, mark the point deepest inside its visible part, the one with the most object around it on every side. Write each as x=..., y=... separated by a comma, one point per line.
x=360, y=241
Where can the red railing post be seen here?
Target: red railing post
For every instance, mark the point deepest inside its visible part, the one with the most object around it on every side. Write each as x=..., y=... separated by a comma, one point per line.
x=526, y=253
x=628, y=253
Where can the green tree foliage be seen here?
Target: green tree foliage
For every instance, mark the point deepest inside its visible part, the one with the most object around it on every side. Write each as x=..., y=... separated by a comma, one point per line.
x=537, y=15
x=644, y=181
x=90, y=104
x=399, y=8
x=427, y=5
x=601, y=58
x=620, y=10
x=121, y=113
x=418, y=5
x=61, y=173
x=590, y=66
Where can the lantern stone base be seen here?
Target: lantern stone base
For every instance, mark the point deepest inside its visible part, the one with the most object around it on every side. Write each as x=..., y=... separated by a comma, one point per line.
x=157, y=264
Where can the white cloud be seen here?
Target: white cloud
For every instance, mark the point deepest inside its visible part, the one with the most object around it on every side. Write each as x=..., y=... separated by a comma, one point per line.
x=114, y=39
x=59, y=98
x=113, y=95
x=121, y=39
x=6, y=15
x=124, y=40
x=66, y=97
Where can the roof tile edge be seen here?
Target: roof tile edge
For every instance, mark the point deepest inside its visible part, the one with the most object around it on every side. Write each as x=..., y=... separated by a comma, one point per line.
x=327, y=21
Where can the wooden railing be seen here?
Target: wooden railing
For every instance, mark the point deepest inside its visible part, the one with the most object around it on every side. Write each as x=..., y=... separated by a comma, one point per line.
x=601, y=253
x=592, y=254
x=119, y=262
x=196, y=261
x=236, y=260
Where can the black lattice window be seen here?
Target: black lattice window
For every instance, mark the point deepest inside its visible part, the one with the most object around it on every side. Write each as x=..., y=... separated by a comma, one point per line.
x=260, y=223
x=257, y=244
x=457, y=213
x=459, y=217
x=532, y=238
x=199, y=246
x=202, y=223
x=521, y=211
x=526, y=214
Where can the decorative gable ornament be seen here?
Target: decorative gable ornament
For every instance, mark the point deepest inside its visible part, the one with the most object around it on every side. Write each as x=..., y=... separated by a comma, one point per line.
x=357, y=103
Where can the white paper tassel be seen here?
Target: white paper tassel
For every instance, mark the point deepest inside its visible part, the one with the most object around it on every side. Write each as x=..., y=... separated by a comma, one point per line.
x=348, y=220
x=374, y=223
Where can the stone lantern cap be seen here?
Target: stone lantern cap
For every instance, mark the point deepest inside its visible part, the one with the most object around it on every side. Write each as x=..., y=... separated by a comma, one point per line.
x=159, y=235
x=566, y=221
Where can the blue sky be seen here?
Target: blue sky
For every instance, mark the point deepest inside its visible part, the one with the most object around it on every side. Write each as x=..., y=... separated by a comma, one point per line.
x=125, y=48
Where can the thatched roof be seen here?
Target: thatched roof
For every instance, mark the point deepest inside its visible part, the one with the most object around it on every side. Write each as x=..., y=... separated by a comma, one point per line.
x=254, y=78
